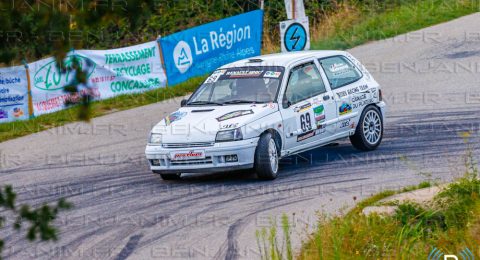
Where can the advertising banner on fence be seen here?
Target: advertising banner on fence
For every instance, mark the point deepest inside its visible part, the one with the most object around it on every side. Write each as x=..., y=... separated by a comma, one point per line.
x=13, y=94
x=202, y=49
x=109, y=73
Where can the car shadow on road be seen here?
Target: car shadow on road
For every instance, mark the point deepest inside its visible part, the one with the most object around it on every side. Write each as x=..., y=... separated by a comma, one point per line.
x=290, y=165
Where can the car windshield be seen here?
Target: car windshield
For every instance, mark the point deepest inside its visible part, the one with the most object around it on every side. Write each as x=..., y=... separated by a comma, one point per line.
x=238, y=86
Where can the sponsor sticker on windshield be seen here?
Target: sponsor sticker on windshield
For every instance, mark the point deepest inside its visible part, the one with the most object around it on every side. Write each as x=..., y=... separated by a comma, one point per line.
x=215, y=76
x=272, y=74
x=244, y=73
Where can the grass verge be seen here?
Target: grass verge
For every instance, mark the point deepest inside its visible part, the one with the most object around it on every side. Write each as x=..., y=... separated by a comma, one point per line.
x=349, y=23
x=449, y=224
x=273, y=245
x=355, y=23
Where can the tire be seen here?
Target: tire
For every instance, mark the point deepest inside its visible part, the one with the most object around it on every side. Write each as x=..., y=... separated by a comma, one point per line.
x=369, y=132
x=168, y=176
x=266, y=158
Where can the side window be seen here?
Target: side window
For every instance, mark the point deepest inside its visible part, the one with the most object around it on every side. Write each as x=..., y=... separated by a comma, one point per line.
x=340, y=71
x=304, y=82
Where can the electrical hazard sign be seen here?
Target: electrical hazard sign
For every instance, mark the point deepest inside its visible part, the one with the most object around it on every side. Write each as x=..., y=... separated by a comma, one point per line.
x=295, y=35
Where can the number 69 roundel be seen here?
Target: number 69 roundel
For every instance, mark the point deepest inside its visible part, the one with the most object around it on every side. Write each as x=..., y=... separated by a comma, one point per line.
x=306, y=122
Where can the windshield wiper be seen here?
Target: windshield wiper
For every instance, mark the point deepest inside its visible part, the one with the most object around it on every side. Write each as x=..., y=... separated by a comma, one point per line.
x=205, y=103
x=240, y=102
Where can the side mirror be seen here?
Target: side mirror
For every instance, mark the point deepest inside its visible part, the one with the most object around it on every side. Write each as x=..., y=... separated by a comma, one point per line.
x=286, y=103
x=183, y=103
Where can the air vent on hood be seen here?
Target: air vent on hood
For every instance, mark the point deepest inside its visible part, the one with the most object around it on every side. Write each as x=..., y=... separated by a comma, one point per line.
x=202, y=110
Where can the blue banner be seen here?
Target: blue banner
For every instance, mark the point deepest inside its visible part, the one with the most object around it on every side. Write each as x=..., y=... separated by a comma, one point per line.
x=13, y=94
x=200, y=50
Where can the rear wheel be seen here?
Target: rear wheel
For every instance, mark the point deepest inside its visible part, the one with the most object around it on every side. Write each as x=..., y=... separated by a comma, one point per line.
x=369, y=132
x=266, y=158
x=168, y=176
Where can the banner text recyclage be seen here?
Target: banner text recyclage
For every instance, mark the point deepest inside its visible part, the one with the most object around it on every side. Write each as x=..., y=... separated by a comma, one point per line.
x=200, y=50
x=109, y=73
x=13, y=94
x=127, y=70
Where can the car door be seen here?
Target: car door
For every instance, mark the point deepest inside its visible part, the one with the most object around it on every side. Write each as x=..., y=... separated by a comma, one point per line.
x=349, y=89
x=307, y=107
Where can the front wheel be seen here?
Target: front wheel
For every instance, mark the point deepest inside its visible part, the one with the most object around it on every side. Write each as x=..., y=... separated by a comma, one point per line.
x=369, y=132
x=266, y=158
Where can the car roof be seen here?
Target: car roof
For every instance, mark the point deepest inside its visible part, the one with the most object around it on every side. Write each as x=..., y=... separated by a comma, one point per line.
x=281, y=59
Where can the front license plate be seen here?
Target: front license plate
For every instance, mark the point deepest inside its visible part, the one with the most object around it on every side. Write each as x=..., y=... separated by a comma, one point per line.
x=187, y=155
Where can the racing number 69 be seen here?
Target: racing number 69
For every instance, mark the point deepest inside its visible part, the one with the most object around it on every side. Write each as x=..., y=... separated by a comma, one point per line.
x=305, y=122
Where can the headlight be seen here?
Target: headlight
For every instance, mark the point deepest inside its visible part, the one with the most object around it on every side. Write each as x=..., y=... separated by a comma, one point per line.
x=229, y=135
x=155, y=138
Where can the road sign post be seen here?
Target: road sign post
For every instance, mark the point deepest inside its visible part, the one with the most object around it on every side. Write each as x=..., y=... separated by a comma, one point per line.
x=29, y=93
x=295, y=9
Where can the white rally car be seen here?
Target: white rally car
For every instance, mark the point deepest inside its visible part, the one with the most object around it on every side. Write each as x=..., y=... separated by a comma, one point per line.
x=251, y=113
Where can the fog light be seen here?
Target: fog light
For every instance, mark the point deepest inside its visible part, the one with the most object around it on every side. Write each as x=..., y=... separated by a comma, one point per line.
x=155, y=162
x=231, y=158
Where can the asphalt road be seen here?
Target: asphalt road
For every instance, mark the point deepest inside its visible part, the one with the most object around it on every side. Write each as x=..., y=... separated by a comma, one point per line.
x=430, y=80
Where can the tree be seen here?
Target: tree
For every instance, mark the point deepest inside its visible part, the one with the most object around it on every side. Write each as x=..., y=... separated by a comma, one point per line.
x=33, y=29
x=40, y=219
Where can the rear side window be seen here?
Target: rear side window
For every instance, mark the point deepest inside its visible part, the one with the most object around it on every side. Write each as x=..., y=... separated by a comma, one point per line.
x=304, y=82
x=340, y=71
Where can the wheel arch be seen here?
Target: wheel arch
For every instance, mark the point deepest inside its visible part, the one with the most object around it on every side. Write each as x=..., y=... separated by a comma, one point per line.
x=372, y=105
x=359, y=117
x=276, y=137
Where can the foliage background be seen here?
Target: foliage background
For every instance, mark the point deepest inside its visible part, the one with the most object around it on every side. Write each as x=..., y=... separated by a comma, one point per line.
x=34, y=29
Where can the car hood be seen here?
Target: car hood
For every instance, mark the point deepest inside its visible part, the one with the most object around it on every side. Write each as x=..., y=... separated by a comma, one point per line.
x=201, y=123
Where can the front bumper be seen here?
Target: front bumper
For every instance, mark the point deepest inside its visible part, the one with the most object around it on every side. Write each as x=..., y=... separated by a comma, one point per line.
x=214, y=157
